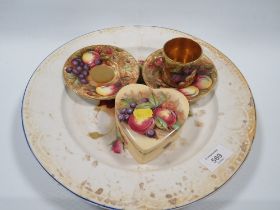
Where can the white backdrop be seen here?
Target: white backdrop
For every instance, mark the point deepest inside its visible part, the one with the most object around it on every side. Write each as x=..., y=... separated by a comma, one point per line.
x=248, y=32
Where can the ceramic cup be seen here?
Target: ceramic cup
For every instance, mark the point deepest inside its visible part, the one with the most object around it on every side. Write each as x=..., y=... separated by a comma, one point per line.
x=181, y=56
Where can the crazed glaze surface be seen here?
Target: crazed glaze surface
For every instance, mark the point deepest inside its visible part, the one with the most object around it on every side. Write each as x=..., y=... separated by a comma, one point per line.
x=57, y=124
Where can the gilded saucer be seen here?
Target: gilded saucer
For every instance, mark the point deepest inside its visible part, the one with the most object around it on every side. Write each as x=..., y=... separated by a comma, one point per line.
x=206, y=71
x=79, y=66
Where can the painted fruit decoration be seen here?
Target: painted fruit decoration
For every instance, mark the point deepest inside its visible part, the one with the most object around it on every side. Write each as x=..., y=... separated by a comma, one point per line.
x=168, y=116
x=108, y=90
x=201, y=83
x=91, y=58
x=193, y=81
x=81, y=64
x=149, y=115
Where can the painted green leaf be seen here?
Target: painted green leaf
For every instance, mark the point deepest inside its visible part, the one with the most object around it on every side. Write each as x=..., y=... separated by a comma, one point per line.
x=104, y=57
x=175, y=70
x=118, y=135
x=76, y=83
x=176, y=126
x=127, y=67
x=154, y=100
x=161, y=124
x=70, y=76
x=146, y=105
x=126, y=101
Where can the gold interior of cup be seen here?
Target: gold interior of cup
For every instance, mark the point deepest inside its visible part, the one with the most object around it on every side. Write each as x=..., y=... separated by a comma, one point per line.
x=102, y=73
x=182, y=50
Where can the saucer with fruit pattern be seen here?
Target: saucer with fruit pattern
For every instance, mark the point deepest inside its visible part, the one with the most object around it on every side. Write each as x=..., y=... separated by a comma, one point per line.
x=203, y=84
x=79, y=66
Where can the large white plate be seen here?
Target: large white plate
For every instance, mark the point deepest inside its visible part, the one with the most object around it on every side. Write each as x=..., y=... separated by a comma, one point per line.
x=57, y=123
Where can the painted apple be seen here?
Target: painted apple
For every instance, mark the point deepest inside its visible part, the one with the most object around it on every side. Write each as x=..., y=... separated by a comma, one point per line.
x=141, y=125
x=117, y=146
x=169, y=105
x=158, y=62
x=203, y=82
x=190, y=91
x=107, y=90
x=167, y=115
x=91, y=58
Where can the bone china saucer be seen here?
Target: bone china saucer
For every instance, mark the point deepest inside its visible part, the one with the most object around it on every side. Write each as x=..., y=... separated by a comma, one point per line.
x=204, y=83
x=122, y=69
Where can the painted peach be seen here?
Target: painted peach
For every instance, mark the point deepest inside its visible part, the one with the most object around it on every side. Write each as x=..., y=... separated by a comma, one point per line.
x=117, y=146
x=107, y=90
x=158, y=62
x=91, y=58
x=169, y=105
x=190, y=91
x=203, y=82
x=141, y=126
x=167, y=115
